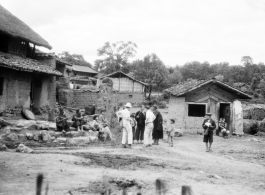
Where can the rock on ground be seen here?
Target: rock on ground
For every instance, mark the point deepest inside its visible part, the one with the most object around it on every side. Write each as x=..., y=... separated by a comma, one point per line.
x=22, y=137
x=26, y=124
x=30, y=136
x=12, y=137
x=24, y=149
x=3, y=147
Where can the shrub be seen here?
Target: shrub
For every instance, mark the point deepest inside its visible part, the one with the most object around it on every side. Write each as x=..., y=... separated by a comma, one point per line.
x=253, y=129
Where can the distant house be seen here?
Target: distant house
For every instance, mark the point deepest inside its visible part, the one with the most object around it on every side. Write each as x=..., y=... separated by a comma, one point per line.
x=189, y=102
x=129, y=88
x=24, y=77
x=83, y=75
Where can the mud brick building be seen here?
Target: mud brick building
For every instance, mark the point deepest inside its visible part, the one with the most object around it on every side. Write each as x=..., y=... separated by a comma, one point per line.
x=24, y=76
x=128, y=88
x=189, y=102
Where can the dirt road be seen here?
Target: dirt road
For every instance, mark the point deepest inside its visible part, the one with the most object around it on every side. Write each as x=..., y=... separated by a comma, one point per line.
x=236, y=166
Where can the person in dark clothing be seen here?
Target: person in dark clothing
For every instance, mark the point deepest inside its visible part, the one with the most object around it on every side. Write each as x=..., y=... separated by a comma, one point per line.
x=208, y=126
x=78, y=120
x=158, y=126
x=61, y=121
x=140, y=119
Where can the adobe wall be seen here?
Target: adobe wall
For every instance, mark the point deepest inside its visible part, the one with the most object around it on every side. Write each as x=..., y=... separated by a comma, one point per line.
x=16, y=90
x=80, y=99
x=49, y=83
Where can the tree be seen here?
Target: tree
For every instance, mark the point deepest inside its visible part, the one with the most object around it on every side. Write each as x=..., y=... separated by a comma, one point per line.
x=115, y=56
x=175, y=77
x=246, y=60
x=76, y=59
x=152, y=71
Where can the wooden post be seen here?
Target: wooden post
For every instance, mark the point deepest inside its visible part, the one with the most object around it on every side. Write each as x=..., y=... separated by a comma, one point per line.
x=119, y=82
x=186, y=190
x=39, y=184
x=133, y=86
x=209, y=105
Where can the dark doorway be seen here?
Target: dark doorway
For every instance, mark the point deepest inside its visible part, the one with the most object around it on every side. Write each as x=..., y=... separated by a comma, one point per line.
x=35, y=93
x=225, y=113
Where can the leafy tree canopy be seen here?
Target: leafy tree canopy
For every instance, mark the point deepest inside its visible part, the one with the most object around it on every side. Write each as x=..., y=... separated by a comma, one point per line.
x=115, y=56
x=76, y=59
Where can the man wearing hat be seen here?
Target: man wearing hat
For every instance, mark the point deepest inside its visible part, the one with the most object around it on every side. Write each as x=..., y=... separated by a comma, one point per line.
x=208, y=126
x=127, y=134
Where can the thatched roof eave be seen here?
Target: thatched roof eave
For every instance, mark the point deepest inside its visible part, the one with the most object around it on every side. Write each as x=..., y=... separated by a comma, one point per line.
x=14, y=27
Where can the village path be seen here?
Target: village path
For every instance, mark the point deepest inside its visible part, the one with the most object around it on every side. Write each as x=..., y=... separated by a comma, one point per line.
x=80, y=170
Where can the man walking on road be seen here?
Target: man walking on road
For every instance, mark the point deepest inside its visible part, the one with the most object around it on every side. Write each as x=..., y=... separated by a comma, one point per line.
x=150, y=117
x=127, y=134
x=208, y=126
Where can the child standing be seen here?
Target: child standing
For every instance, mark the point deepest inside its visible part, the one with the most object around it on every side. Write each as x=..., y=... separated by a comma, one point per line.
x=171, y=132
x=133, y=124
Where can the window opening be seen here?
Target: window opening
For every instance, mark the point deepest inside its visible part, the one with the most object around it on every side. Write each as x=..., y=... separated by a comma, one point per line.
x=196, y=110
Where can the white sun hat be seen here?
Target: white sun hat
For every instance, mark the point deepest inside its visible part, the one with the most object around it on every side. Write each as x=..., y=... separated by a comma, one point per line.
x=128, y=105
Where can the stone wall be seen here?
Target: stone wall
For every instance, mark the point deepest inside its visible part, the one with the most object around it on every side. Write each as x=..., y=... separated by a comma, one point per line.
x=16, y=89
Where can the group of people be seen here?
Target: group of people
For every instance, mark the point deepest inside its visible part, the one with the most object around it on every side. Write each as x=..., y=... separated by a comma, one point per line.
x=99, y=123
x=145, y=127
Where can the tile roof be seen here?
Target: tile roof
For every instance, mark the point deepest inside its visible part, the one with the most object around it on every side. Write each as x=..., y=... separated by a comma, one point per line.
x=194, y=84
x=26, y=64
x=183, y=86
x=120, y=72
x=39, y=53
x=82, y=79
x=84, y=69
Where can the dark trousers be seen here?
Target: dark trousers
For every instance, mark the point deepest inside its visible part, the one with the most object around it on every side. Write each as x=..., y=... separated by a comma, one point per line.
x=139, y=133
x=134, y=132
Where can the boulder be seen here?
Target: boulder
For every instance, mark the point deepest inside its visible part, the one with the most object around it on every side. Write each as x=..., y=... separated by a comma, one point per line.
x=3, y=147
x=36, y=137
x=43, y=126
x=15, y=129
x=57, y=134
x=30, y=136
x=22, y=137
x=24, y=149
x=26, y=124
x=61, y=139
x=52, y=133
x=12, y=137
x=45, y=136
x=5, y=130
x=52, y=126
x=93, y=138
x=78, y=141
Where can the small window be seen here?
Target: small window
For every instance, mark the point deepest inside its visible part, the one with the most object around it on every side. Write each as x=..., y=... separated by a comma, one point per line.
x=196, y=110
x=1, y=86
x=130, y=96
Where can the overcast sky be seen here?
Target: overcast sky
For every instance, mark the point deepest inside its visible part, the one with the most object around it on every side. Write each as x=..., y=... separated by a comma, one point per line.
x=178, y=31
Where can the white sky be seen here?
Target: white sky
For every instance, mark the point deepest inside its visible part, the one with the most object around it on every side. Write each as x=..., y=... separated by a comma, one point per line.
x=178, y=31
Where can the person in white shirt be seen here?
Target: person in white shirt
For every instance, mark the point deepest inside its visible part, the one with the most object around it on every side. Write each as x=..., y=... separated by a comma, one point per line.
x=149, y=118
x=127, y=128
